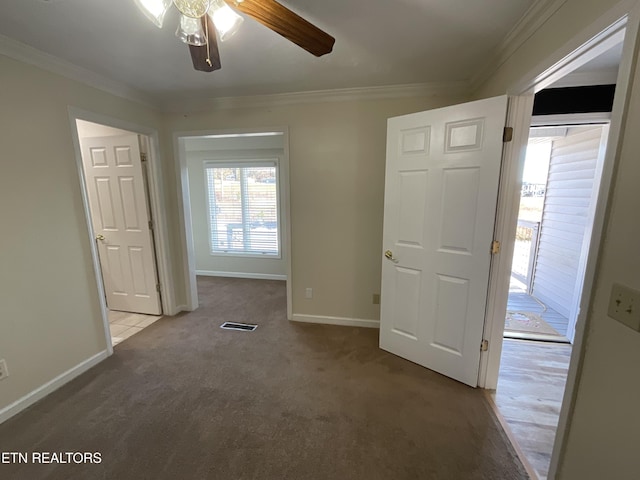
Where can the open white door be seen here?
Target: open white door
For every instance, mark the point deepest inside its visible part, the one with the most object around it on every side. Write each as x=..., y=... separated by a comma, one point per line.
x=120, y=217
x=442, y=176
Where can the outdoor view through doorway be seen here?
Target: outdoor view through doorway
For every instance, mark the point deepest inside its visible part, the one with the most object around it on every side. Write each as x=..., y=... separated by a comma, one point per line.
x=559, y=192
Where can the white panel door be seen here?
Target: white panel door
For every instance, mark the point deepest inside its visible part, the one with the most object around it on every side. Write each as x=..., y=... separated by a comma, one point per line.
x=441, y=189
x=120, y=216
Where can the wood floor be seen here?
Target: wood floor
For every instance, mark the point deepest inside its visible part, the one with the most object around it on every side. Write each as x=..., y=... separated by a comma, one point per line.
x=529, y=395
x=521, y=302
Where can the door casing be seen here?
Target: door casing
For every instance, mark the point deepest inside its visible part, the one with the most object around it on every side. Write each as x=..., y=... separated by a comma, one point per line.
x=620, y=23
x=184, y=202
x=156, y=206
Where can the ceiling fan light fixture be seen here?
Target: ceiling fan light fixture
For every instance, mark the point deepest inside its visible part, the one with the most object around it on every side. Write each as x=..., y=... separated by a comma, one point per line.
x=192, y=8
x=190, y=31
x=227, y=21
x=154, y=10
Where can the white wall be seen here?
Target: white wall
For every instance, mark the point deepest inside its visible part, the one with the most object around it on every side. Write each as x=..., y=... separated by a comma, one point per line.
x=90, y=129
x=50, y=319
x=198, y=152
x=604, y=431
x=337, y=160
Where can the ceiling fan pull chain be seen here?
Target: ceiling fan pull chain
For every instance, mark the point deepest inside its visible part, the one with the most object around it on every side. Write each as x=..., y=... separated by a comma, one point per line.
x=206, y=34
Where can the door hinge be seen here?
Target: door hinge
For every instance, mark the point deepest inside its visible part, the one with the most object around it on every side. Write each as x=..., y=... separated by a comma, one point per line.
x=150, y=224
x=507, y=134
x=158, y=287
x=484, y=346
x=495, y=247
x=143, y=157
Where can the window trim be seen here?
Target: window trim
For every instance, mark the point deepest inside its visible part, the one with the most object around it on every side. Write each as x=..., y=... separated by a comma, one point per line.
x=244, y=163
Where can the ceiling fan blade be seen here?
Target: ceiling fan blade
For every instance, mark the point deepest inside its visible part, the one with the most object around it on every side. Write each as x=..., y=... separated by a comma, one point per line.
x=288, y=24
x=199, y=55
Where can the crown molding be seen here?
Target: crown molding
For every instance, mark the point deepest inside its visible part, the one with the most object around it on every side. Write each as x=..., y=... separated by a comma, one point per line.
x=192, y=104
x=24, y=53
x=529, y=23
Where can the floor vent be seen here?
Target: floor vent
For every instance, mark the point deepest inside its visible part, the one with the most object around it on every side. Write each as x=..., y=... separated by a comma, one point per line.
x=238, y=326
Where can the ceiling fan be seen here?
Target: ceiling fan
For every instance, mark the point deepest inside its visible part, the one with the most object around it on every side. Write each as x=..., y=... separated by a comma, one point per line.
x=202, y=21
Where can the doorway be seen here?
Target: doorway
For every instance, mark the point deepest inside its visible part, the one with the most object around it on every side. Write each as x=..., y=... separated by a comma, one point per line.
x=115, y=179
x=235, y=197
x=562, y=184
x=555, y=219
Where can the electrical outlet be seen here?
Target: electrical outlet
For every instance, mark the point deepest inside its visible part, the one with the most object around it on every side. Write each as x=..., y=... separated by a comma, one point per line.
x=4, y=371
x=308, y=293
x=624, y=306
x=376, y=299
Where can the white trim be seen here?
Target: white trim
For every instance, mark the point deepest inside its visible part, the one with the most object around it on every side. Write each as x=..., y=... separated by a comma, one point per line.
x=285, y=201
x=585, y=79
x=518, y=117
x=90, y=234
x=29, y=55
x=51, y=386
x=199, y=104
x=157, y=206
x=528, y=24
x=342, y=321
x=621, y=105
x=32, y=56
x=590, y=43
x=184, y=211
x=257, y=276
x=187, y=248
x=603, y=31
x=570, y=119
x=573, y=54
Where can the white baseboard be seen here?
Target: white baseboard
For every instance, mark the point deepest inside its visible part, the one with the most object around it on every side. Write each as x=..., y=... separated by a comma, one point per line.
x=344, y=321
x=49, y=387
x=257, y=276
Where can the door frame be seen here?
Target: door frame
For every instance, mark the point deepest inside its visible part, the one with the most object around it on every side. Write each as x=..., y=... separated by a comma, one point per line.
x=621, y=21
x=156, y=206
x=184, y=208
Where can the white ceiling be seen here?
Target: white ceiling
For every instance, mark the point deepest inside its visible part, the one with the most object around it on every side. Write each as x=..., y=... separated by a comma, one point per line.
x=601, y=70
x=378, y=43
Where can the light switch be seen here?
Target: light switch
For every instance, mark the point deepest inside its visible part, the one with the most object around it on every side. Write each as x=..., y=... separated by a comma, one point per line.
x=624, y=306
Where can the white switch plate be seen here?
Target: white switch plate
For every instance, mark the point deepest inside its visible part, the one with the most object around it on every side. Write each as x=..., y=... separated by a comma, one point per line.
x=624, y=306
x=308, y=293
x=4, y=371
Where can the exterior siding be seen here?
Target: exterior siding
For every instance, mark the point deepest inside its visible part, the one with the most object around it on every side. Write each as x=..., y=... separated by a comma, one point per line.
x=566, y=211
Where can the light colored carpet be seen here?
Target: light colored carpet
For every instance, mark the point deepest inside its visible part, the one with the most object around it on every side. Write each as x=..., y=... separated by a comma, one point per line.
x=185, y=399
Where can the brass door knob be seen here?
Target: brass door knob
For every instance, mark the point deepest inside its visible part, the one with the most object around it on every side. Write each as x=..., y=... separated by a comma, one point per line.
x=100, y=237
x=389, y=255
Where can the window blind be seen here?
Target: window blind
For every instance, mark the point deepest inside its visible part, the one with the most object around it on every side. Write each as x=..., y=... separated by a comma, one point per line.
x=243, y=207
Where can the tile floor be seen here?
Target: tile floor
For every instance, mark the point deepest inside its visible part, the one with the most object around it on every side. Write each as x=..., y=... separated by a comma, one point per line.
x=125, y=324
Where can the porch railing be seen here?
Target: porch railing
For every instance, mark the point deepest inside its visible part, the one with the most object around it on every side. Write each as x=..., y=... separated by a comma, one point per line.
x=525, y=251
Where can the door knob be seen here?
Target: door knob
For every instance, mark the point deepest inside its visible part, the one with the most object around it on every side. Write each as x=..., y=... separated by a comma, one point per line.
x=389, y=255
x=100, y=237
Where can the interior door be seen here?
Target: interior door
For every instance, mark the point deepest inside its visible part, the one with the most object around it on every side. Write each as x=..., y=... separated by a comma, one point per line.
x=120, y=216
x=442, y=175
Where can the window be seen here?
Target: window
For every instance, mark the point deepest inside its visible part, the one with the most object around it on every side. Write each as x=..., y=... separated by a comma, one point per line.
x=243, y=207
